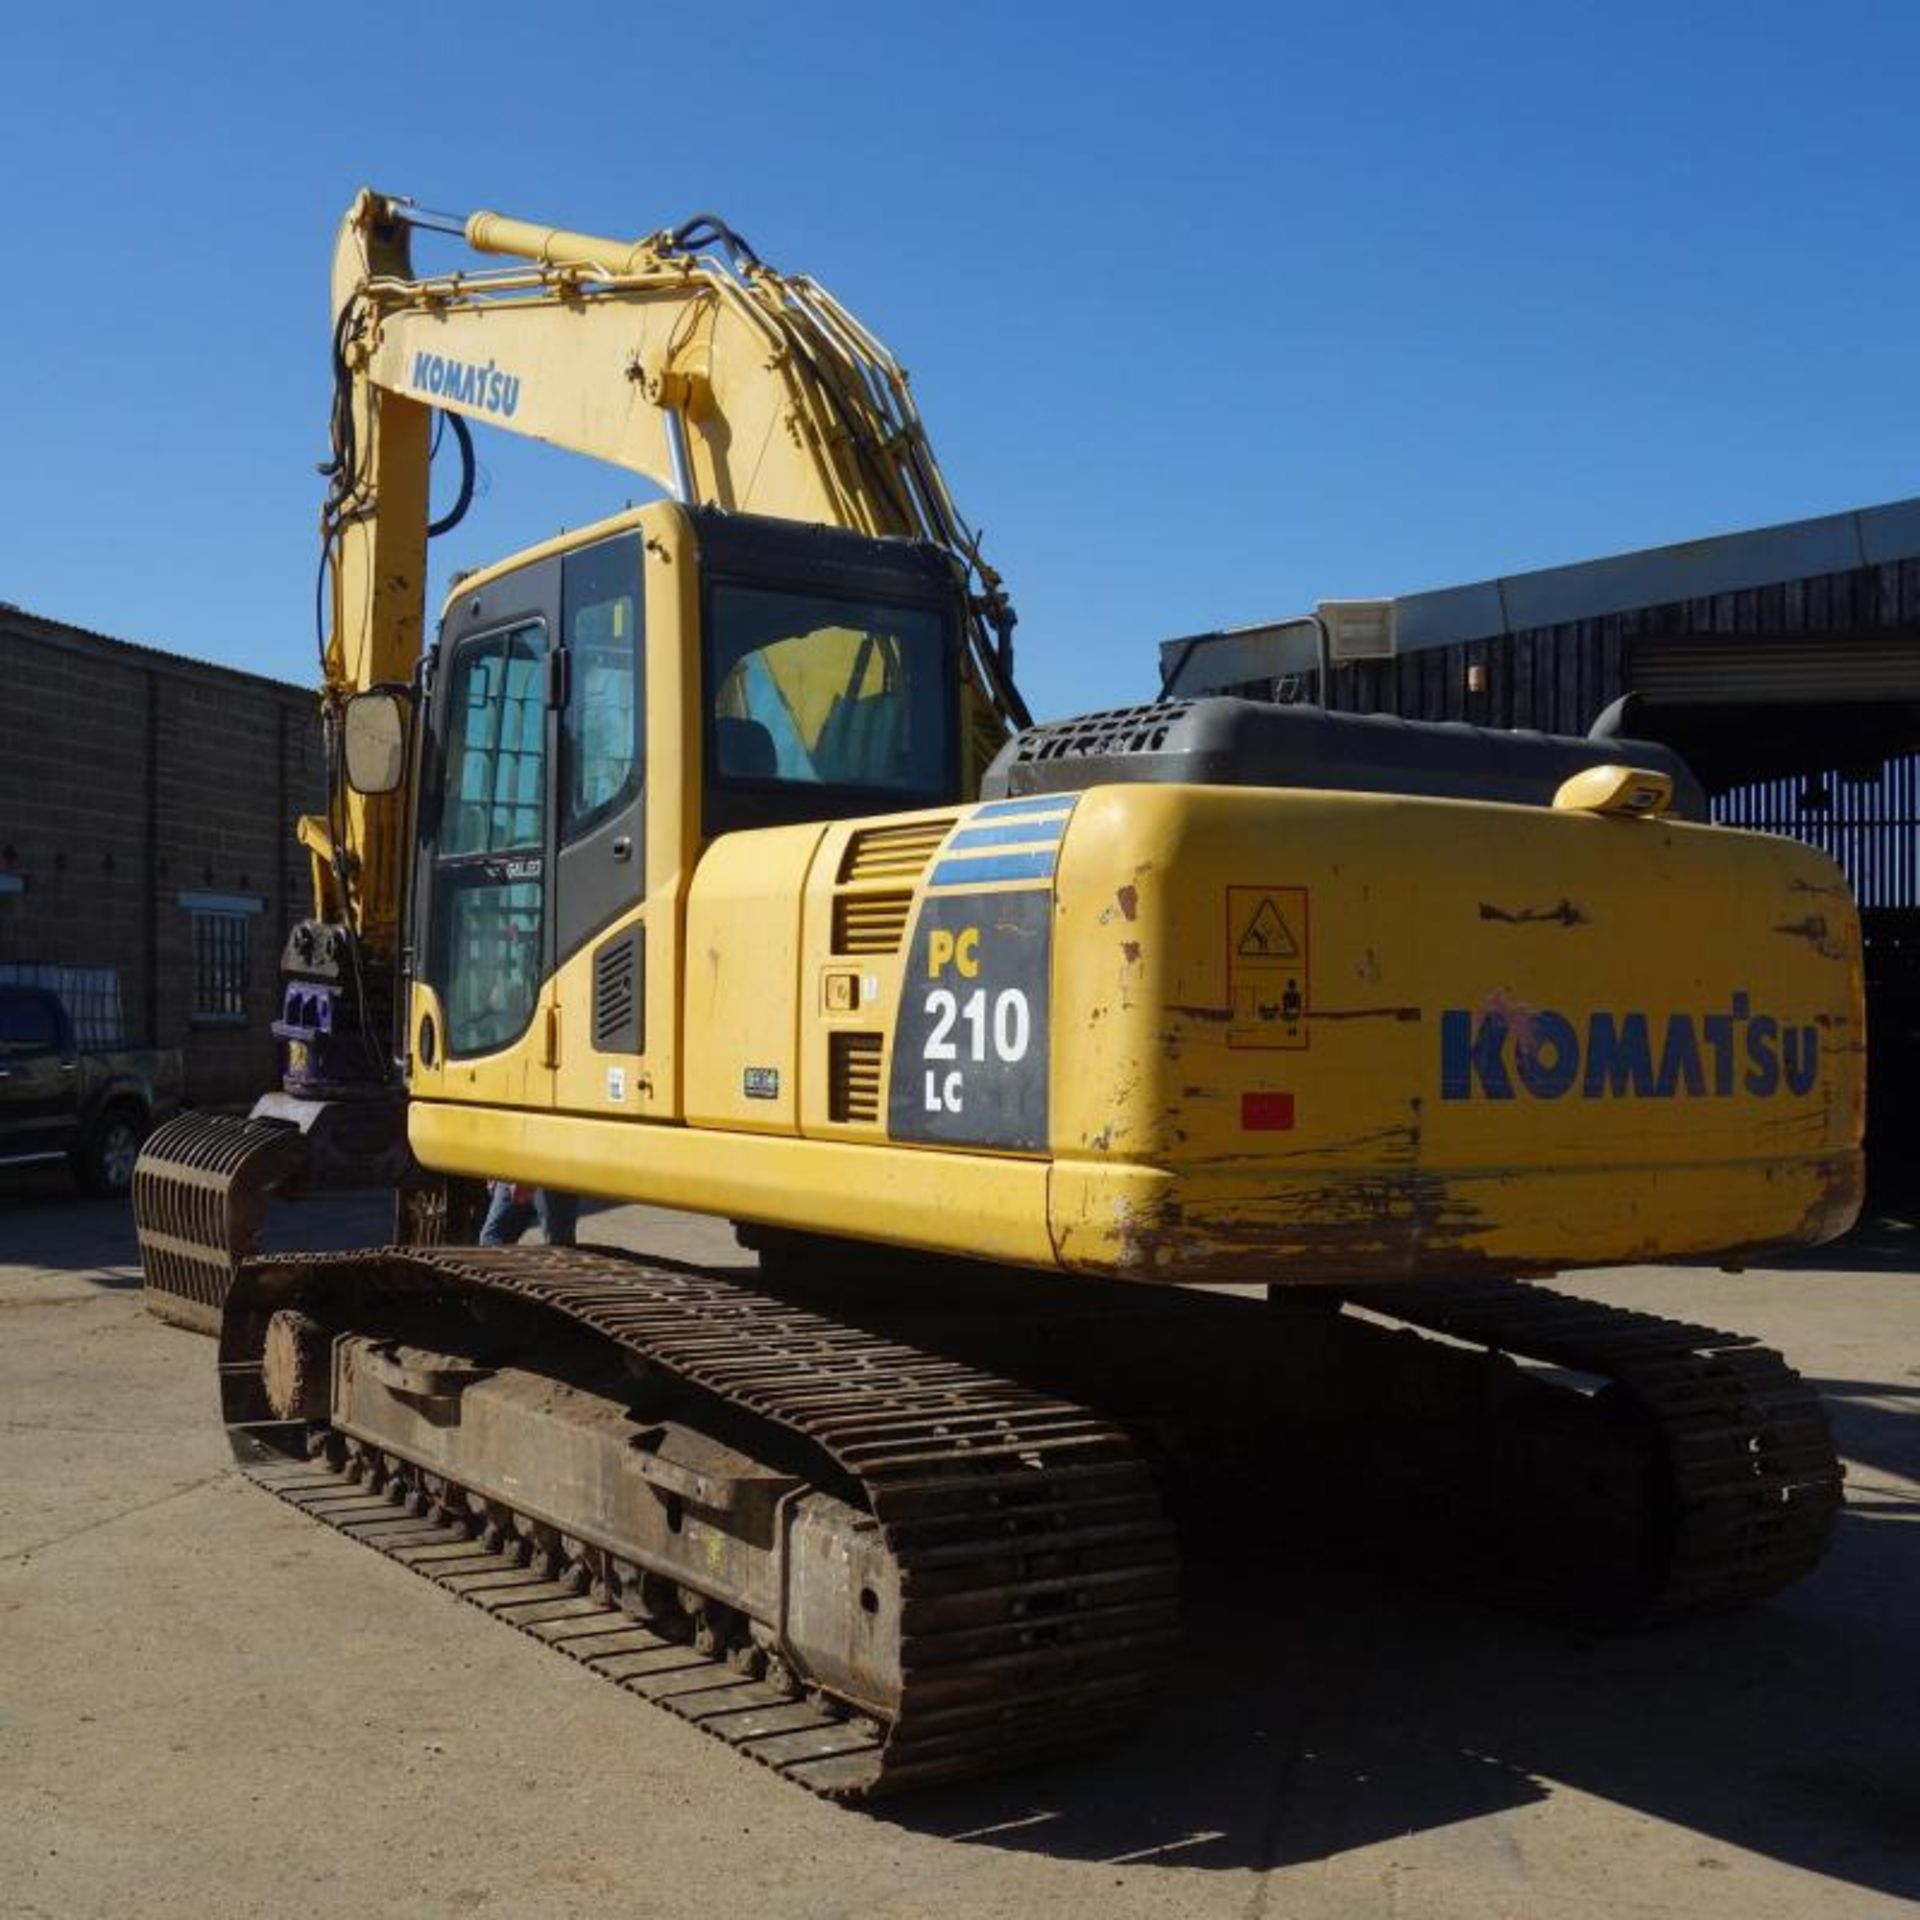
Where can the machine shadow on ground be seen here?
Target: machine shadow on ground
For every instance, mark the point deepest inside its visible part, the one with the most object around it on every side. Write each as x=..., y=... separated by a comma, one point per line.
x=46, y=1223
x=1886, y=1240
x=48, y=1227
x=1317, y=1709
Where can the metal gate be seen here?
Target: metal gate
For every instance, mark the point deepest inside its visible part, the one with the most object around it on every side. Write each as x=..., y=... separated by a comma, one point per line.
x=1869, y=828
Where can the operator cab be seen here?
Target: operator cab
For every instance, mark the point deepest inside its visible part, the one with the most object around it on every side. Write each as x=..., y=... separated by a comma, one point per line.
x=578, y=691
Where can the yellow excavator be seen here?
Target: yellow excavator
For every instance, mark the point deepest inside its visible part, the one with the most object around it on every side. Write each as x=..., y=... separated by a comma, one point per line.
x=708, y=858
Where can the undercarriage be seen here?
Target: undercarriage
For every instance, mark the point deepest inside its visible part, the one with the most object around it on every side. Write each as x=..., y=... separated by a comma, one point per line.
x=880, y=1524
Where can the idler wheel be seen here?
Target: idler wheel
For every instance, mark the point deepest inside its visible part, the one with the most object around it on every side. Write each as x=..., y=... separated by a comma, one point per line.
x=296, y=1367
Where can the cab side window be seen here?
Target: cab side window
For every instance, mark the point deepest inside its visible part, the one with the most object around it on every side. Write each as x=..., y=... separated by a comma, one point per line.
x=600, y=726
x=490, y=879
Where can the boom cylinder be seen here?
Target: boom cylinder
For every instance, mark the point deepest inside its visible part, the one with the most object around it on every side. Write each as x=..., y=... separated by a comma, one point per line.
x=555, y=246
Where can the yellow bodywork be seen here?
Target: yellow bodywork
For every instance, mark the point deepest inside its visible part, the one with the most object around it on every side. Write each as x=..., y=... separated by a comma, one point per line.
x=1427, y=939
x=1302, y=1037
x=1171, y=1033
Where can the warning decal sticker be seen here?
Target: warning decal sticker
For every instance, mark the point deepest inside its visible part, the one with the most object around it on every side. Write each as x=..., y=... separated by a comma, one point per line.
x=1268, y=937
x=1267, y=966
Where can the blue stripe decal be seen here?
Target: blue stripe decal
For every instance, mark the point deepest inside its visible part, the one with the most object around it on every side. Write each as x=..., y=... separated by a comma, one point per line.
x=978, y=871
x=1011, y=833
x=1062, y=803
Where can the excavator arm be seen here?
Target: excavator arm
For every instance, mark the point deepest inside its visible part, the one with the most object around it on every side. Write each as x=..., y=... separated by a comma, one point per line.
x=681, y=357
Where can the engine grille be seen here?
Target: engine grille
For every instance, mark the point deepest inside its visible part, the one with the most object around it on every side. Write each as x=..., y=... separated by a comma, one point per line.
x=870, y=922
x=1119, y=730
x=853, y=1077
x=892, y=853
x=879, y=871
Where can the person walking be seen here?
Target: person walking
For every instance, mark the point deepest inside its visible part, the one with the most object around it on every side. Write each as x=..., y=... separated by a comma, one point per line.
x=513, y=1206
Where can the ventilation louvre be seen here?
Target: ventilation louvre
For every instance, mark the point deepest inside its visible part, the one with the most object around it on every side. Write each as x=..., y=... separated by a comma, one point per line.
x=871, y=922
x=893, y=853
x=880, y=869
x=853, y=1078
x=619, y=974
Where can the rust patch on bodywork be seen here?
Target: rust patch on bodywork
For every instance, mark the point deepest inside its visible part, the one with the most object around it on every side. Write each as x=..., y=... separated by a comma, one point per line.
x=1363, y=1013
x=1565, y=914
x=1391, y=1228
x=1834, y=1209
x=1813, y=929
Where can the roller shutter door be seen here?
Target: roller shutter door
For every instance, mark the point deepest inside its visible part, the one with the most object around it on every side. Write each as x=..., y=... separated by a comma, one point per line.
x=1767, y=669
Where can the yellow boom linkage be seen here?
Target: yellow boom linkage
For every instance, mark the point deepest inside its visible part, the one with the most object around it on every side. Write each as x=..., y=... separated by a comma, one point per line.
x=681, y=358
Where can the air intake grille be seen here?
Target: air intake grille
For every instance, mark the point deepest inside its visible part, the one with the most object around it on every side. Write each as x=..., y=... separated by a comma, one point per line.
x=870, y=922
x=893, y=853
x=871, y=917
x=619, y=971
x=853, y=1077
x=1120, y=730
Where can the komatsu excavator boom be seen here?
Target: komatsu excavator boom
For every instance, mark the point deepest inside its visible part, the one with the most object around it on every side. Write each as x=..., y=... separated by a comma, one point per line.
x=708, y=858
x=681, y=358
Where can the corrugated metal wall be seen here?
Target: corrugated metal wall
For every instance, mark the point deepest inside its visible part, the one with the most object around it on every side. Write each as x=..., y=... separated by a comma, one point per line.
x=1561, y=678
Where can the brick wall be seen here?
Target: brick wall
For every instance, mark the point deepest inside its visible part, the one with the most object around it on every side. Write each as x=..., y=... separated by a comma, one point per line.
x=128, y=778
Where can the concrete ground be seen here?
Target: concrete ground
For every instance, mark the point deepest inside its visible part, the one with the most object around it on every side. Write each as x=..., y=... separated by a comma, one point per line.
x=209, y=1706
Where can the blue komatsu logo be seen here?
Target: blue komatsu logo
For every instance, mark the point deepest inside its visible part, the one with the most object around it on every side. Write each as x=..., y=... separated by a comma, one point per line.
x=475, y=386
x=1508, y=1049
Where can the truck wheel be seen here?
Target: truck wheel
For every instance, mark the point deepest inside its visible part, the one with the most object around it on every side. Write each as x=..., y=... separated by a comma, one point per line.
x=103, y=1162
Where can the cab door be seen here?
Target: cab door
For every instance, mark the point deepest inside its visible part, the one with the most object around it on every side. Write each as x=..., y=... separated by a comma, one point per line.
x=482, y=955
x=600, y=834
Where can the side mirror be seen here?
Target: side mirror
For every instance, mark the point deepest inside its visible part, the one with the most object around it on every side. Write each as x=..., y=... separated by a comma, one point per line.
x=374, y=739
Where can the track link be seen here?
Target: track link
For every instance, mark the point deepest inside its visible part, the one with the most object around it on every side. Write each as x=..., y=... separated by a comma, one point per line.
x=1038, y=1572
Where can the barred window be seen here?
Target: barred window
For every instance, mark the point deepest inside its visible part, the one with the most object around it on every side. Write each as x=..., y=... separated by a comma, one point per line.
x=220, y=968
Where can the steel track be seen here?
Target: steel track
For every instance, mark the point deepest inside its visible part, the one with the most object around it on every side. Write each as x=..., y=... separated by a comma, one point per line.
x=1038, y=1571
x=1687, y=1471
x=1750, y=1484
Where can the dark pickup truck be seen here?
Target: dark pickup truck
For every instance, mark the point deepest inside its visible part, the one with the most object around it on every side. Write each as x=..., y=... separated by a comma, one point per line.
x=88, y=1106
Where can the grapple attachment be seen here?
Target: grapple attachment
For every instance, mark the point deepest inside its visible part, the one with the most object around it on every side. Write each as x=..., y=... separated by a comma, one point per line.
x=200, y=1196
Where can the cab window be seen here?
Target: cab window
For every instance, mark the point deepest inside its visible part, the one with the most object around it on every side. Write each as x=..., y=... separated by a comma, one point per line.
x=812, y=691
x=490, y=870
x=601, y=748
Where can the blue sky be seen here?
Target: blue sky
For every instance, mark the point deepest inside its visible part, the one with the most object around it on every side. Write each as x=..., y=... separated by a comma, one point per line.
x=1213, y=311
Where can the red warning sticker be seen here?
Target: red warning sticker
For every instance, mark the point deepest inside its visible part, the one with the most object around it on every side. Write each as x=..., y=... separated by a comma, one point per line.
x=1266, y=1112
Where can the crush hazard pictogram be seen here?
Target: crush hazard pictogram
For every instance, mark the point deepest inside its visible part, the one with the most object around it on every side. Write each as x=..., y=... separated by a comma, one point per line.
x=1268, y=937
